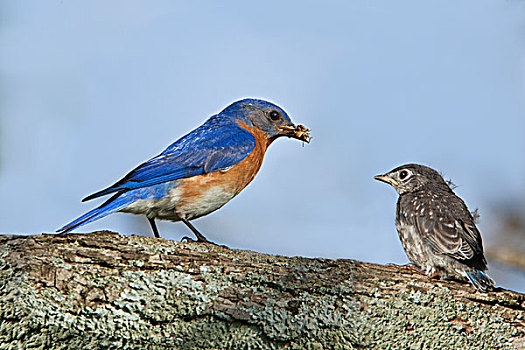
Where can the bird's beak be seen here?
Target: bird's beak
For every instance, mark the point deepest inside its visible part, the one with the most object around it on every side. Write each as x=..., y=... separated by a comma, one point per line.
x=299, y=132
x=387, y=179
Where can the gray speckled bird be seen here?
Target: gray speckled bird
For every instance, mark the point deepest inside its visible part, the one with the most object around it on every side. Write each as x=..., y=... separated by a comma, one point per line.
x=435, y=226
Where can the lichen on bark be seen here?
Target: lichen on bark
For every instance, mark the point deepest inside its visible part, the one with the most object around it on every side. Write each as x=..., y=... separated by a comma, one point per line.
x=107, y=291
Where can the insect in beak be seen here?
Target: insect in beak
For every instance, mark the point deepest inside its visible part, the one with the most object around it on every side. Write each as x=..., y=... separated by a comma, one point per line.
x=299, y=132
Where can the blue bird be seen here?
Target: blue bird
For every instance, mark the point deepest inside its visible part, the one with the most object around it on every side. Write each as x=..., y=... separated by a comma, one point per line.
x=200, y=172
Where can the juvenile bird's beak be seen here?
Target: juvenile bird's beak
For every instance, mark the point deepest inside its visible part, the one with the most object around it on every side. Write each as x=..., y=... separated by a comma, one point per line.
x=299, y=132
x=387, y=179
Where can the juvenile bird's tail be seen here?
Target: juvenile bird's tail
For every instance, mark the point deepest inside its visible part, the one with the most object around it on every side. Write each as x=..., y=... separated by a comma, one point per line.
x=112, y=205
x=480, y=280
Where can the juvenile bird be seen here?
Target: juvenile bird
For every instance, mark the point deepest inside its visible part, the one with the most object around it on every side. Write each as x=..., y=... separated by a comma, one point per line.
x=201, y=171
x=435, y=226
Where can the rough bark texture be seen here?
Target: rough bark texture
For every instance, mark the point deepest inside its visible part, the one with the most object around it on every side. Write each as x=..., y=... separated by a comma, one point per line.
x=106, y=291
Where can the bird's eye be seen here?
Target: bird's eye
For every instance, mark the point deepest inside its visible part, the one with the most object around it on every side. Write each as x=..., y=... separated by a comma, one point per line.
x=274, y=115
x=403, y=174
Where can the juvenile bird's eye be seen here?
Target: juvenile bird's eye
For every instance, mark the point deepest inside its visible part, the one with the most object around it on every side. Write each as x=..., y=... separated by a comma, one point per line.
x=274, y=115
x=403, y=174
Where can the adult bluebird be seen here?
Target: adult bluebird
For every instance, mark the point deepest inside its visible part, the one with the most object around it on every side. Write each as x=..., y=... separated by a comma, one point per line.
x=436, y=228
x=201, y=171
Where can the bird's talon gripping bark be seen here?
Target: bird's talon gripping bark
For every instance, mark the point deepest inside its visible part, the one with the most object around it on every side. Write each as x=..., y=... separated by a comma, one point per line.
x=433, y=276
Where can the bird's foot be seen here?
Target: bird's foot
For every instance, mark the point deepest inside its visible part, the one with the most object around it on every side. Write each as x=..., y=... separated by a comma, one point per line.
x=434, y=275
x=187, y=239
x=411, y=267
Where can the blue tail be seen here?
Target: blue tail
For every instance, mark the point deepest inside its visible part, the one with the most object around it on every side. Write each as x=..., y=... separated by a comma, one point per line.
x=112, y=205
x=481, y=280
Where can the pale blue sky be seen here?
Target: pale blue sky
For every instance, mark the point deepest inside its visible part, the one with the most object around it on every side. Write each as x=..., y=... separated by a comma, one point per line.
x=90, y=90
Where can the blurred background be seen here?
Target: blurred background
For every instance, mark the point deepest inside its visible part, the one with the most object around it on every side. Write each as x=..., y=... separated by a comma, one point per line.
x=91, y=89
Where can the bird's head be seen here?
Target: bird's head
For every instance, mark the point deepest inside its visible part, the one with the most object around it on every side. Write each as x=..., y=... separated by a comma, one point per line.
x=412, y=177
x=266, y=117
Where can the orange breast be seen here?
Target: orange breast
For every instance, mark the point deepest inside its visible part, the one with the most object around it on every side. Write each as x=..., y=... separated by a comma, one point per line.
x=200, y=195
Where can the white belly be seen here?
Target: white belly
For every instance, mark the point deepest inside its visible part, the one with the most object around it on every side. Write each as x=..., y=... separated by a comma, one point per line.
x=413, y=245
x=172, y=207
x=421, y=254
x=210, y=199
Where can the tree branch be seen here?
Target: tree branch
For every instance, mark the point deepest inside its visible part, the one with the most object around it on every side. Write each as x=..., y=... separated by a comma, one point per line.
x=106, y=291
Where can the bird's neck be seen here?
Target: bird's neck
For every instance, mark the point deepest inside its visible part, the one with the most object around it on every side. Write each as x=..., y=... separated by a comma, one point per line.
x=262, y=140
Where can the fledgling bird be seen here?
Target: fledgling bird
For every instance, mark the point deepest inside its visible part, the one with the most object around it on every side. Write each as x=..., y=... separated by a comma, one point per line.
x=201, y=171
x=436, y=228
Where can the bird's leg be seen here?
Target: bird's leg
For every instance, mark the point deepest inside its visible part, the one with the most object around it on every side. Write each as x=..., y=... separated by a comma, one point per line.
x=200, y=237
x=411, y=267
x=414, y=268
x=154, y=227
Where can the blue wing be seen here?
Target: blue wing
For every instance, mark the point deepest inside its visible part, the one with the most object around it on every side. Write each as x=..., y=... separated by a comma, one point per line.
x=215, y=145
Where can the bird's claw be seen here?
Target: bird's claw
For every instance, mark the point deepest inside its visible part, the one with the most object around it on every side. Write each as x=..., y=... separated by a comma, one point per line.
x=411, y=267
x=187, y=239
x=433, y=276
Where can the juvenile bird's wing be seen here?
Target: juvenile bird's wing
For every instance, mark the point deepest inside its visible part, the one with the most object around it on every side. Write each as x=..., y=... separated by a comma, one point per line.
x=213, y=146
x=454, y=235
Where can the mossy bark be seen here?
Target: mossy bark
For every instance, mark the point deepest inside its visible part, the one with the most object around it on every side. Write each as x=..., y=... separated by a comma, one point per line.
x=107, y=291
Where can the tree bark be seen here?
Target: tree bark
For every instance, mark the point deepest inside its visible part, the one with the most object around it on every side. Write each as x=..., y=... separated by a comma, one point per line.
x=107, y=291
